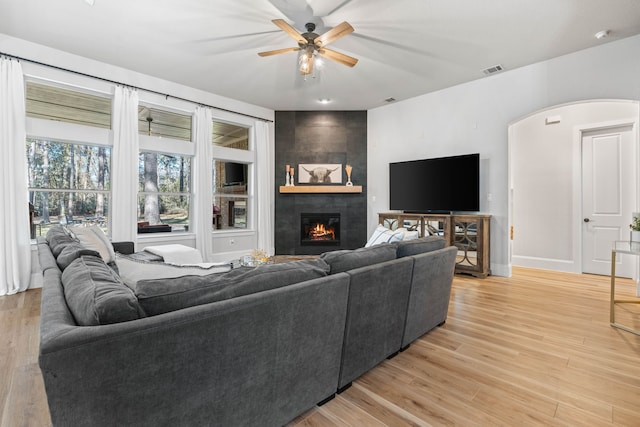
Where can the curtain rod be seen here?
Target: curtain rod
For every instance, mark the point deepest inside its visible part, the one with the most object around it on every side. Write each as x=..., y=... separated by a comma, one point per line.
x=166, y=95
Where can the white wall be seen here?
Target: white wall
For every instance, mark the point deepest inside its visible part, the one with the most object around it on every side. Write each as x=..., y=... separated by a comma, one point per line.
x=474, y=117
x=546, y=181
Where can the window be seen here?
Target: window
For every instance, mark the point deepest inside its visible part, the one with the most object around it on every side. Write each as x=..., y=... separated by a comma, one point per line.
x=230, y=199
x=230, y=136
x=69, y=166
x=164, y=190
x=161, y=123
x=65, y=105
x=164, y=167
x=68, y=183
x=232, y=165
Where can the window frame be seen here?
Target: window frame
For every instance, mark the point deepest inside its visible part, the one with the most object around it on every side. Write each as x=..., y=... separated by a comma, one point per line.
x=70, y=133
x=169, y=147
x=248, y=157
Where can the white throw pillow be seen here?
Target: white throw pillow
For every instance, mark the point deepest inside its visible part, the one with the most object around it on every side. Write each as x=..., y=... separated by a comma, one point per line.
x=93, y=237
x=383, y=235
x=411, y=235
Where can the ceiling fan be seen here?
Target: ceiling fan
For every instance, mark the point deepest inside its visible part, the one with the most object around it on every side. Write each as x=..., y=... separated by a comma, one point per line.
x=310, y=44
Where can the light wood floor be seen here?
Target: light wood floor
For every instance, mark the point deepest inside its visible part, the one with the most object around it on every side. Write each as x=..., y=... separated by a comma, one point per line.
x=533, y=349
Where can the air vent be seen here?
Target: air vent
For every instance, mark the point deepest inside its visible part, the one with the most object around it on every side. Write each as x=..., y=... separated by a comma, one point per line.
x=493, y=70
x=389, y=100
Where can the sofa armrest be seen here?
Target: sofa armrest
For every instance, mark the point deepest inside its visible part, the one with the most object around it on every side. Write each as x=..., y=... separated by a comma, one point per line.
x=125, y=248
x=430, y=292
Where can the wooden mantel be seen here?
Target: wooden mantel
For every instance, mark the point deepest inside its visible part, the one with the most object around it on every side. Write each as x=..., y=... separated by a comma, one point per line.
x=301, y=189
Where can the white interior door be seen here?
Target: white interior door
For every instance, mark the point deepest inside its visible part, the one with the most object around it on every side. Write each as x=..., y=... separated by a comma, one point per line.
x=608, y=197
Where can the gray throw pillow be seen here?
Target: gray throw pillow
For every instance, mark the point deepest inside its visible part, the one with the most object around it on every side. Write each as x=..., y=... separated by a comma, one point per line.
x=95, y=295
x=346, y=260
x=419, y=246
x=163, y=295
x=72, y=251
x=58, y=238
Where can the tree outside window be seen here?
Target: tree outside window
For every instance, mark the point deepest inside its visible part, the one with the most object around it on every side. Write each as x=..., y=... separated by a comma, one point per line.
x=164, y=190
x=69, y=184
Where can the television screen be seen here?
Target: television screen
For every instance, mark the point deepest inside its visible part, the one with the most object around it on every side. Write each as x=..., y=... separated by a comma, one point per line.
x=235, y=173
x=444, y=184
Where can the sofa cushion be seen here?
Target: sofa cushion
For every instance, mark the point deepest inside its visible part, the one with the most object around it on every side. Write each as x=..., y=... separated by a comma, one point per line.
x=57, y=238
x=72, y=251
x=384, y=235
x=96, y=295
x=345, y=260
x=163, y=295
x=419, y=246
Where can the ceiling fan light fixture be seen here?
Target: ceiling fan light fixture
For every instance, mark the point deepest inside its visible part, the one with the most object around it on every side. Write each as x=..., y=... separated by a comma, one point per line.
x=306, y=63
x=312, y=47
x=306, y=60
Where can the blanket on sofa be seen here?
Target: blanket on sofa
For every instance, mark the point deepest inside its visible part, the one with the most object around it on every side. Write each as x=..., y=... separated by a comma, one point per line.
x=177, y=254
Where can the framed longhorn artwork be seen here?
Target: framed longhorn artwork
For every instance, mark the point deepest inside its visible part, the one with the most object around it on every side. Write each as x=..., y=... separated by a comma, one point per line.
x=320, y=173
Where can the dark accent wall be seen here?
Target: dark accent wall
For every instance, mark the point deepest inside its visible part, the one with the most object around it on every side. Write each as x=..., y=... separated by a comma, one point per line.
x=320, y=137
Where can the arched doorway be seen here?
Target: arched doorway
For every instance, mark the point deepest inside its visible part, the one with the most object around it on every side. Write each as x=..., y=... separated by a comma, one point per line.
x=546, y=211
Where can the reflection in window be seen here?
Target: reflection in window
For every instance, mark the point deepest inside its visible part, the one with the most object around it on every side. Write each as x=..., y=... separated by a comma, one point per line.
x=162, y=123
x=231, y=197
x=229, y=212
x=230, y=136
x=65, y=105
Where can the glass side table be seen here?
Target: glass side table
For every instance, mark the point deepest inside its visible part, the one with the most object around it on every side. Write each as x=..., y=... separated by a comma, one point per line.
x=629, y=248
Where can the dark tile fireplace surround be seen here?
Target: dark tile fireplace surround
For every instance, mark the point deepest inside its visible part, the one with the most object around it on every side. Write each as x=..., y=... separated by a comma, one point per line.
x=320, y=137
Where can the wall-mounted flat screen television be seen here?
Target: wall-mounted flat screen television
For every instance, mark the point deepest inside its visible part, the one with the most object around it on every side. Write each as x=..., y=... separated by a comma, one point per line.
x=444, y=184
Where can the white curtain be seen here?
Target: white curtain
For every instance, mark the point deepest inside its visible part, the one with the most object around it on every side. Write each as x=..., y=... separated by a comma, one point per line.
x=124, y=166
x=265, y=187
x=15, y=243
x=202, y=214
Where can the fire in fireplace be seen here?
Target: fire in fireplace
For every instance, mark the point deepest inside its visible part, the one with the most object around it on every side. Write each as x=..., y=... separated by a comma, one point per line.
x=320, y=229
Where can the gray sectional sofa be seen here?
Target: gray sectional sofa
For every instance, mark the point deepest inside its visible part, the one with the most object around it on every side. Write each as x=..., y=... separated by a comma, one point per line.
x=253, y=347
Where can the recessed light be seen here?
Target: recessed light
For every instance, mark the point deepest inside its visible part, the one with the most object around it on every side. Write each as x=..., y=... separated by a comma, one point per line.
x=89, y=2
x=602, y=34
x=324, y=100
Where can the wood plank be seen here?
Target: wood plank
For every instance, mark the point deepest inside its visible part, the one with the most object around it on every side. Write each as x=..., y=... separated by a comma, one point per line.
x=302, y=189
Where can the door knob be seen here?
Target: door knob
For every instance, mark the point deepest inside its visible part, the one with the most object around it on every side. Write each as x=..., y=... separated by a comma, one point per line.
x=586, y=220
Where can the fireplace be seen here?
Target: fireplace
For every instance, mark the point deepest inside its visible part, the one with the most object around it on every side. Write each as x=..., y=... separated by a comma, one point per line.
x=319, y=229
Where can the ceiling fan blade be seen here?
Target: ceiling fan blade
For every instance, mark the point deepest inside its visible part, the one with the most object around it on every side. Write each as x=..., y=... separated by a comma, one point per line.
x=284, y=26
x=333, y=34
x=278, y=51
x=347, y=60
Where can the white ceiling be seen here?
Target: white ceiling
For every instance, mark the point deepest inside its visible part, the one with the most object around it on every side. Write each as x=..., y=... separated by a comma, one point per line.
x=405, y=47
